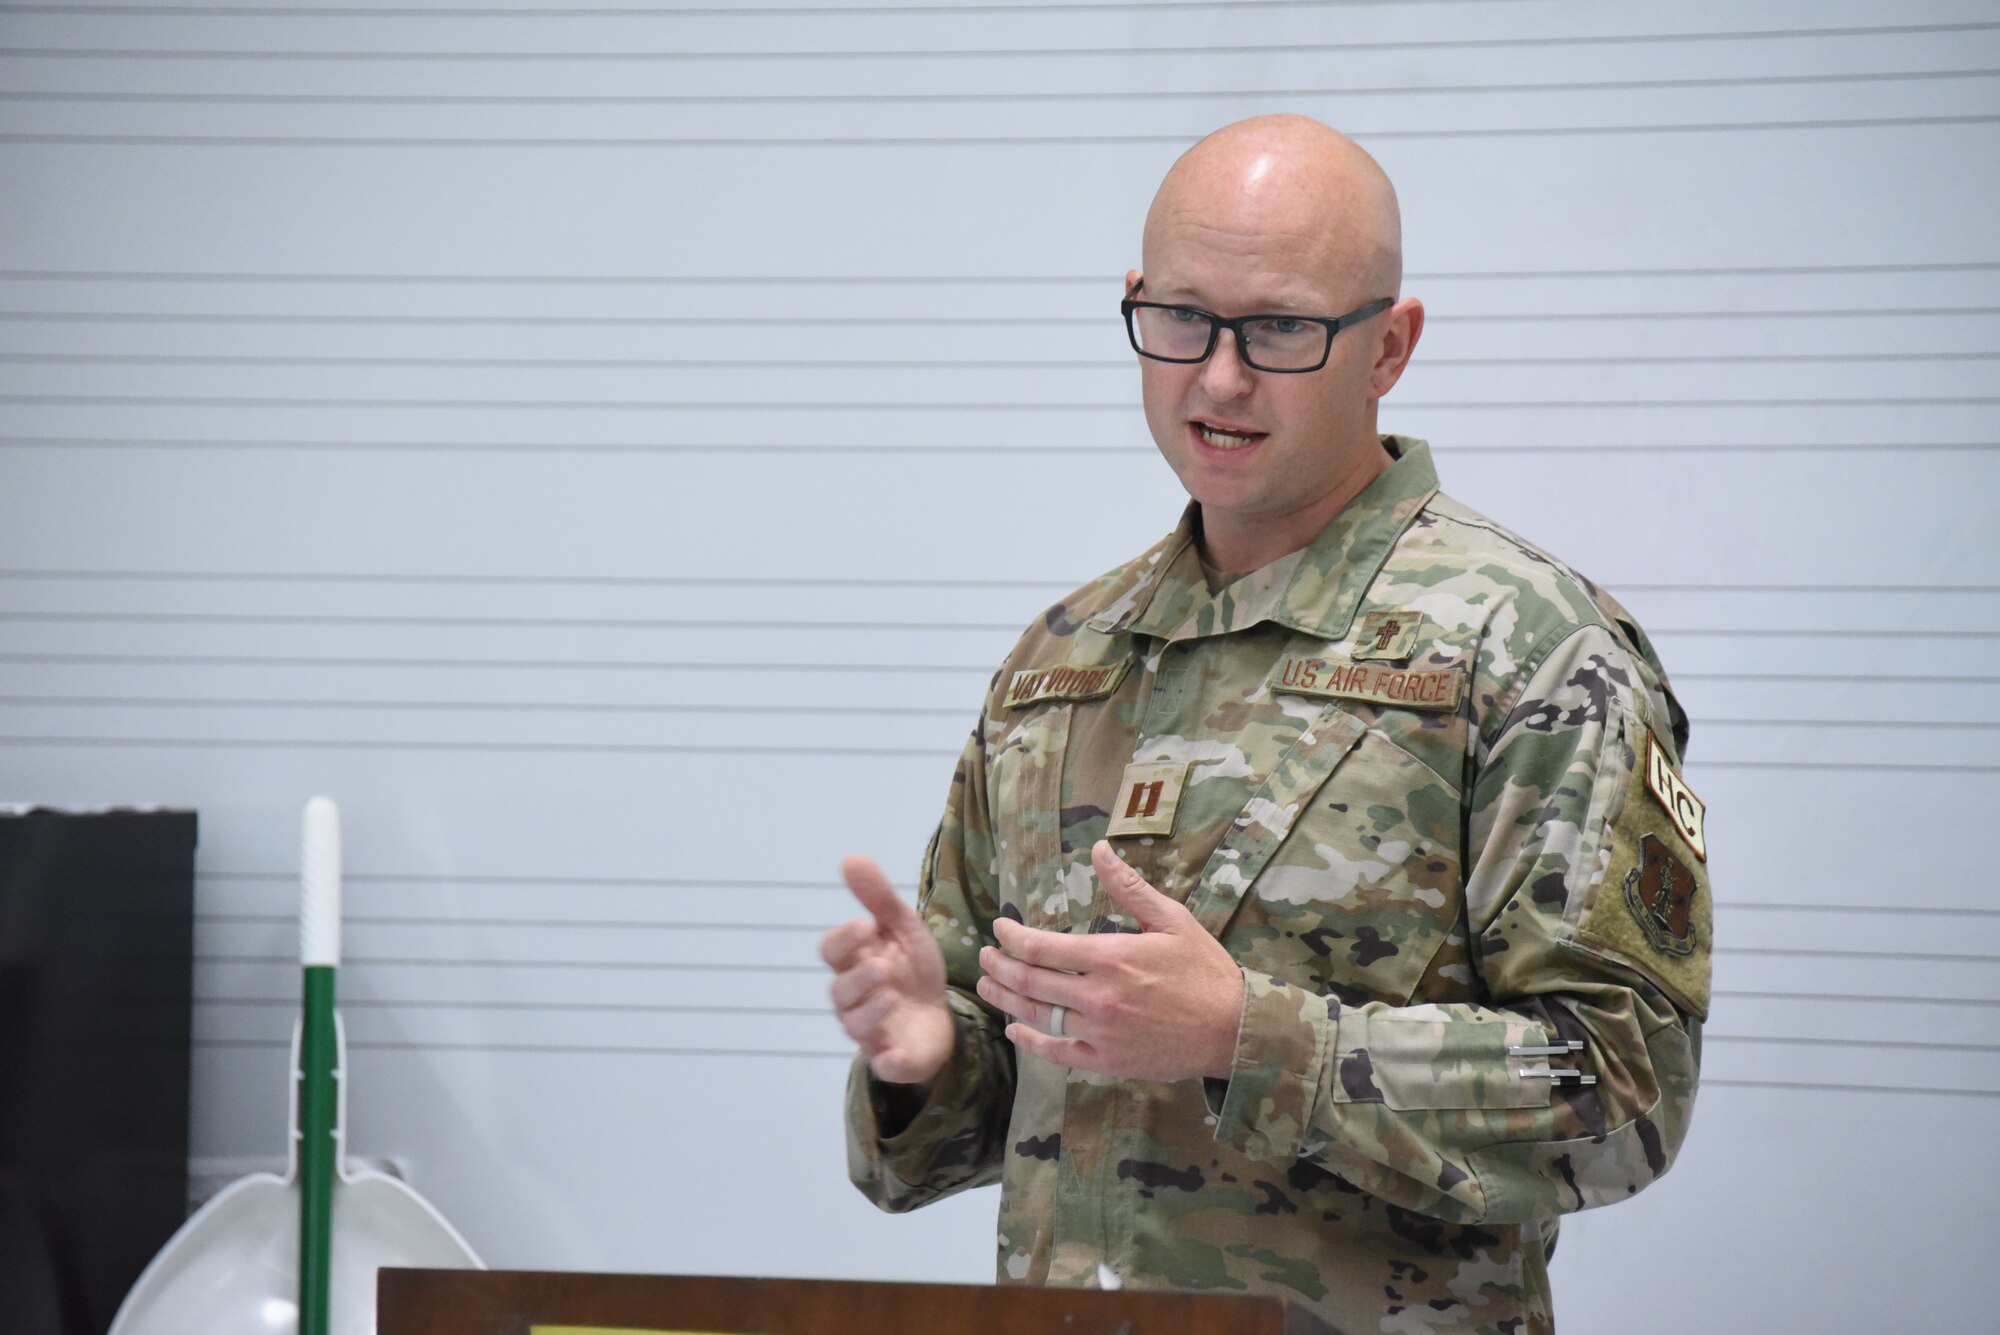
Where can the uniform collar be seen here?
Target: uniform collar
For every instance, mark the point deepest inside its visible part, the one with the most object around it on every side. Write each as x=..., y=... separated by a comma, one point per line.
x=1316, y=590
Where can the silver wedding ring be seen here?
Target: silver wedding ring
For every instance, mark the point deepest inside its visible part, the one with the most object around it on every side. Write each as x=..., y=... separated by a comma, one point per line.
x=1056, y=1014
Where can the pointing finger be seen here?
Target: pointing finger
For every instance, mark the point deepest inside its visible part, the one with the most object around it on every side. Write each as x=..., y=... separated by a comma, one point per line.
x=1153, y=911
x=879, y=897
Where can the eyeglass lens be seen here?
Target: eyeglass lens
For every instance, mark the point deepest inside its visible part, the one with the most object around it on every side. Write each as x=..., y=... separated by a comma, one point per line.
x=1276, y=343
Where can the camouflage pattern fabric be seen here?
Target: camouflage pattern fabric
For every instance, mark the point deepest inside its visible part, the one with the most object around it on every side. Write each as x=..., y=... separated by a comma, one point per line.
x=1412, y=777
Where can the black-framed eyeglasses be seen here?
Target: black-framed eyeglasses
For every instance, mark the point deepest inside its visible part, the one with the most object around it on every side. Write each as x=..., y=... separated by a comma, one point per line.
x=1286, y=344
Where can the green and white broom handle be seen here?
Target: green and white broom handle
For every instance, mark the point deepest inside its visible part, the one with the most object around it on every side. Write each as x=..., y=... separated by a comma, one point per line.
x=319, y=1046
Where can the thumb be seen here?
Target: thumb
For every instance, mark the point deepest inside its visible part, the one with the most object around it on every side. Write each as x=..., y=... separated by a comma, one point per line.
x=1153, y=911
x=868, y=884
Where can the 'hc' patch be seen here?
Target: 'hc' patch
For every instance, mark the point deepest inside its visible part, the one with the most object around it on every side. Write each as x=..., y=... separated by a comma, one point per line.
x=1329, y=678
x=1063, y=682
x=1385, y=637
x=1683, y=807
x=1149, y=793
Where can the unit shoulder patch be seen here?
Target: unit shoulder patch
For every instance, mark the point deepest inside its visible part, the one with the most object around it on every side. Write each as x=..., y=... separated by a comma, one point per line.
x=1660, y=893
x=1335, y=679
x=1064, y=682
x=1653, y=909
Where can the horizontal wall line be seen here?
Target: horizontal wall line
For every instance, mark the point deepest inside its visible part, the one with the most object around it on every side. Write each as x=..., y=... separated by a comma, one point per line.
x=561, y=882
x=1923, y=956
x=1861, y=767
x=1819, y=998
x=647, y=581
x=291, y=1001
x=1004, y=53
x=469, y=321
x=668, y=665
x=500, y=706
x=480, y=920
x=920, y=280
x=1844, y=632
x=763, y=1054
x=1808, y=1086
x=795, y=624
x=461, y=706
x=548, y=623
x=1920, y=1045
x=943, y=755
x=478, y=321
x=940, y=755
x=648, y=966
x=693, y=11
x=292, y=960
x=902, y=364
x=999, y=96
x=1705, y=723
x=821, y=581
x=926, y=449
x=939, y=406
x=657, y=144
x=567, y=881
x=1667, y=587
x=1733, y=906
x=557, y=1049
x=533, y=665
x=288, y=920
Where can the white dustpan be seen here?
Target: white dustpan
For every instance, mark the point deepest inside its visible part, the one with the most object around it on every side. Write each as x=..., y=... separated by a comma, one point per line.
x=234, y=1267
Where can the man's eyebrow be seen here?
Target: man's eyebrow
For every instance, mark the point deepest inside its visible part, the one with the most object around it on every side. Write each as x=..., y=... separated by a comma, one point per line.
x=1179, y=292
x=1182, y=294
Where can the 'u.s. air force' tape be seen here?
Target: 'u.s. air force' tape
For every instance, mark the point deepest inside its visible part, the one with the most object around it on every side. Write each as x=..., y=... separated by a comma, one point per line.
x=1377, y=683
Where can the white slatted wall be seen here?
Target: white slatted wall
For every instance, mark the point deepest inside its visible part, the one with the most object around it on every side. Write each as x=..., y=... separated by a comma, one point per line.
x=609, y=448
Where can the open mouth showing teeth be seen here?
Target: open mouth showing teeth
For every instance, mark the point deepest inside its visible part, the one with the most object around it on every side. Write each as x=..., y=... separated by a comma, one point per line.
x=1225, y=440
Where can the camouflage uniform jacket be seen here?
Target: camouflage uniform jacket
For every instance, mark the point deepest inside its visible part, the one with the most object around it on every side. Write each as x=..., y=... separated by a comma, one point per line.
x=1421, y=780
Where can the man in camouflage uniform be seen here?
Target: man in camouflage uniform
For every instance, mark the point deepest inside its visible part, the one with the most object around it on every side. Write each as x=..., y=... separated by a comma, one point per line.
x=1326, y=929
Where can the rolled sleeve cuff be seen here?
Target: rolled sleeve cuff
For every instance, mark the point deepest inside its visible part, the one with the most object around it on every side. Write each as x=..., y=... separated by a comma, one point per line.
x=959, y=1088
x=1282, y=1043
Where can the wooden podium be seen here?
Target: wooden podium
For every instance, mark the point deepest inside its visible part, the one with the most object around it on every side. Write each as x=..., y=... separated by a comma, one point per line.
x=504, y=1302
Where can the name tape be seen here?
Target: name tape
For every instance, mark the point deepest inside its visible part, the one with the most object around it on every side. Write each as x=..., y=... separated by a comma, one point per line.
x=1063, y=682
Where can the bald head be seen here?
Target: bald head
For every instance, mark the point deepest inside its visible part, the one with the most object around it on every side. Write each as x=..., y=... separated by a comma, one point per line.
x=1274, y=217
x=1293, y=181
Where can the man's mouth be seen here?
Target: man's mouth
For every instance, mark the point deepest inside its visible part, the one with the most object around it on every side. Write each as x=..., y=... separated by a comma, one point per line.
x=1216, y=437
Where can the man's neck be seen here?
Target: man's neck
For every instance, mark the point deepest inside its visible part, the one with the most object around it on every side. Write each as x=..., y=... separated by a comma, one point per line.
x=1242, y=545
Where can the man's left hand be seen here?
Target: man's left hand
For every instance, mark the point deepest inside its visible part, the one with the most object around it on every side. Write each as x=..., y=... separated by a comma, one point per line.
x=1163, y=1004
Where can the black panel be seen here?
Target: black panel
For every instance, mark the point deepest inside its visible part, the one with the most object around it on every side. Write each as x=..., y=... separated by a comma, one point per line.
x=96, y=953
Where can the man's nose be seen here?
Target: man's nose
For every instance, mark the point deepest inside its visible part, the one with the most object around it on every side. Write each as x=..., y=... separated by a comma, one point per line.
x=1223, y=375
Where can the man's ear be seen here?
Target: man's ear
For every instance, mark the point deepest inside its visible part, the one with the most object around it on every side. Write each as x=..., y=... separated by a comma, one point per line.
x=1134, y=280
x=1403, y=326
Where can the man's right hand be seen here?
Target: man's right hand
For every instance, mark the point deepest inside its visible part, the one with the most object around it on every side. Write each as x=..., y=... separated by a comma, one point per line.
x=888, y=984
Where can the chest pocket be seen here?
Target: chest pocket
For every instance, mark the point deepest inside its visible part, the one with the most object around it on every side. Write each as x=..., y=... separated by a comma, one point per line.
x=1024, y=781
x=1365, y=891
